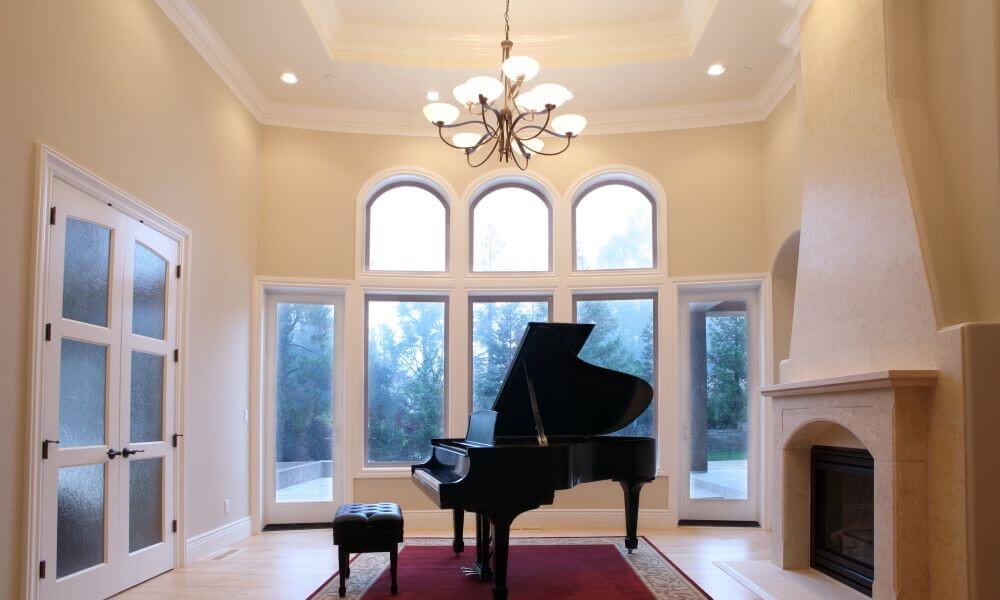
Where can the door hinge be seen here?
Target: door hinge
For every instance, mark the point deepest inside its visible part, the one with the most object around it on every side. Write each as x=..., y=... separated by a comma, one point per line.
x=48, y=332
x=41, y=570
x=176, y=437
x=52, y=216
x=173, y=526
x=178, y=271
x=177, y=355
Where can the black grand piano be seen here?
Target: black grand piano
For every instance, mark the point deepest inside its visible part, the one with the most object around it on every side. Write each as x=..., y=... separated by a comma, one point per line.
x=546, y=432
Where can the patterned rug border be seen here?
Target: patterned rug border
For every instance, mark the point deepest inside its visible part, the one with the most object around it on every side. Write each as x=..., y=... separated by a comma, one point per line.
x=381, y=562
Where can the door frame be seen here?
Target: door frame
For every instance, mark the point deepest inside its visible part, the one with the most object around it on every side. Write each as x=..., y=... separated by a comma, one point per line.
x=272, y=298
x=757, y=292
x=50, y=165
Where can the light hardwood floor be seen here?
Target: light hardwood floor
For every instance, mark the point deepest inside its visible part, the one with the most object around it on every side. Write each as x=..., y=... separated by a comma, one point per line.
x=291, y=565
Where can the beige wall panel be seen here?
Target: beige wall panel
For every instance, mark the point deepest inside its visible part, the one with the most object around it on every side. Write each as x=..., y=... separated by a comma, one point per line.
x=712, y=179
x=115, y=87
x=781, y=161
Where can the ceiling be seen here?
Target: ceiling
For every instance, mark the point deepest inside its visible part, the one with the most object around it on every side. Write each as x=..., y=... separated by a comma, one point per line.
x=366, y=65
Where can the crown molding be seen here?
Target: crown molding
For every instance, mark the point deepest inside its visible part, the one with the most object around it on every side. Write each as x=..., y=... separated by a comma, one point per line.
x=402, y=46
x=192, y=24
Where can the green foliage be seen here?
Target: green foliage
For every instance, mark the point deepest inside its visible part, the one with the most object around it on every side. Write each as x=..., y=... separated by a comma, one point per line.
x=497, y=328
x=622, y=340
x=304, y=382
x=406, y=369
x=726, y=338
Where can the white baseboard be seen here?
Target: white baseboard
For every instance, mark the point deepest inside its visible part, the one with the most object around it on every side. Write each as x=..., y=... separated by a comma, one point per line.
x=543, y=519
x=208, y=544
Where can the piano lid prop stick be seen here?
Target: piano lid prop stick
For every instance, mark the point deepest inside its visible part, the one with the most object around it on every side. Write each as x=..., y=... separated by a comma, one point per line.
x=542, y=439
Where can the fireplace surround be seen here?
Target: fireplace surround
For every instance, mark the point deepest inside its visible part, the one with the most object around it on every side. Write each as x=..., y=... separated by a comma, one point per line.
x=885, y=413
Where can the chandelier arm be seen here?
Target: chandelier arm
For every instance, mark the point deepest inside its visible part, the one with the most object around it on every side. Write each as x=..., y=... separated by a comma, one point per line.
x=468, y=155
x=568, y=139
x=543, y=128
x=517, y=162
x=484, y=139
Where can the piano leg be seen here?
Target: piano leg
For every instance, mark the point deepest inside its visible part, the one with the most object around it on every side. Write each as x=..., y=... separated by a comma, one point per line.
x=632, y=487
x=459, y=544
x=501, y=545
x=483, y=547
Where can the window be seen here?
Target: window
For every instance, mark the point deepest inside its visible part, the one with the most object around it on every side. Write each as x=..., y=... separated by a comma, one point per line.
x=614, y=228
x=303, y=402
x=510, y=231
x=497, y=327
x=405, y=388
x=624, y=339
x=407, y=229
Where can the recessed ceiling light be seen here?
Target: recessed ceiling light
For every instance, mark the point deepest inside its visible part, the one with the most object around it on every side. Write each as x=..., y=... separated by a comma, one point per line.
x=716, y=70
x=433, y=96
x=289, y=78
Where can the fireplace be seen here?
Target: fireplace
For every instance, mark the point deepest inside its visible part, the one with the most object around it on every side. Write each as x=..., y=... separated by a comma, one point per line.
x=843, y=515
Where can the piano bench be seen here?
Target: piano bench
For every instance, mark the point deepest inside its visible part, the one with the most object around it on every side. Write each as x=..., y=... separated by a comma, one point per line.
x=367, y=528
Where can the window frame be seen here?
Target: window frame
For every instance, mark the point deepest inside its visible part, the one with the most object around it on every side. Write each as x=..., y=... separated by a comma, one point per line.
x=410, y=296
x=485, y=190
x=653, y=295
x=389, y=184
x=602, y=181
x=495, y=298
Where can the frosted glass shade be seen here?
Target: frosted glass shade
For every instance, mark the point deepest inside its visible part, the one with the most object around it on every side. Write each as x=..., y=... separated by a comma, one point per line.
x=487, y=86
x=552, y=93
x=465, y=139
x=465, y=94
x=523, y=67
x=529, y=101
x=534, y=145
x=441, y=112
x=564, y=124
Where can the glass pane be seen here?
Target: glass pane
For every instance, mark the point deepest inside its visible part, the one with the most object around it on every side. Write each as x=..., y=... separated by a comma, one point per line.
x=149, y=293
x=145, y=503
x=510, y=231
x=80, y=521
x=406, y=364
x=496, y=333
x=719, y=437
x=304, y=403
x=614, y=229
x=407, y=231
x=623, y=340
x=146, y=398
x=86, y=266
x=82, y=384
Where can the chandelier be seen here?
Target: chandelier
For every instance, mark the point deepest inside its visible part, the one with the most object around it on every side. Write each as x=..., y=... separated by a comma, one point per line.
x=506, y=120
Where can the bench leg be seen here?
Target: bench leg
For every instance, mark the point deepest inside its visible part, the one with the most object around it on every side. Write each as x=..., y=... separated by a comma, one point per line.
x=393, y=560
x=343, y=560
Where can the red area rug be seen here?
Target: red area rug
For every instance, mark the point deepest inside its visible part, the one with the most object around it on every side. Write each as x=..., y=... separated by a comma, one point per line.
x=539, y=569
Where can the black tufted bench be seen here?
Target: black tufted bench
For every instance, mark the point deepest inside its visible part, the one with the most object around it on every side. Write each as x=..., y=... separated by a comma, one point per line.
x=367, y=528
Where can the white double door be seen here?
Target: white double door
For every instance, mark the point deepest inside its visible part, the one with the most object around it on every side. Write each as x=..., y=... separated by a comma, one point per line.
x=108, y=400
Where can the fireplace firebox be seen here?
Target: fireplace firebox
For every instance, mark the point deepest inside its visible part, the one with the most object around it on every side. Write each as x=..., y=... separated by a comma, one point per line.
x=843, y=515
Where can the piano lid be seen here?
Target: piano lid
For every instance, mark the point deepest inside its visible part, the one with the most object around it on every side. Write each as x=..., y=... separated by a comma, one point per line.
x=575, y=398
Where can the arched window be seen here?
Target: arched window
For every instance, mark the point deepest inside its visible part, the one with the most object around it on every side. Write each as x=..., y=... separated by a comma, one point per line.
x=614, y=227
x=407, y=229
x=511, y=230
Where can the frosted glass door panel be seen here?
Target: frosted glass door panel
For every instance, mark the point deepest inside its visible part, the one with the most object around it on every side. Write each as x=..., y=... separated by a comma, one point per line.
x=80, y=525
x=85, y=272
x=149, y=293
x=145, y=510
x=146, y=398
x=82, y=390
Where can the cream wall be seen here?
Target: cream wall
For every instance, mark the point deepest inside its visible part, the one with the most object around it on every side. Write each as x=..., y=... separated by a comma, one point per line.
x=114, y=87
x=782, y=165
x=712, y=178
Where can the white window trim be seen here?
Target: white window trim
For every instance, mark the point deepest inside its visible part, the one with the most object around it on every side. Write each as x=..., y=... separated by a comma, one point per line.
x=494, y=184
x=613, y=177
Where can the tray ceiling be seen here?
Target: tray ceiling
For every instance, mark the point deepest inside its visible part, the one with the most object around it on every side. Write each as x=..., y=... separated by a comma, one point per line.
x=365, y=65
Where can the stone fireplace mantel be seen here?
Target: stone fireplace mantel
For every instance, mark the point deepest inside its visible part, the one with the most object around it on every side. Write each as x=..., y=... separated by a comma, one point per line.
x=886, y=411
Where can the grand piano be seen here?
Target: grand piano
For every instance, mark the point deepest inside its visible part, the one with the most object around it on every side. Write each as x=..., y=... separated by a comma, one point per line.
x=547, y=431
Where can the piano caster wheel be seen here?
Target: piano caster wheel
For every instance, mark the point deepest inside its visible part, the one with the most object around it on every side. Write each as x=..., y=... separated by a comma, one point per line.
x=630, y=551
x=342, y=591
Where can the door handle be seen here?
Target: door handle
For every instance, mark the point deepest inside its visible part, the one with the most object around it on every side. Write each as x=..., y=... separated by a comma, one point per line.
x=126, y=452
x=112, y=453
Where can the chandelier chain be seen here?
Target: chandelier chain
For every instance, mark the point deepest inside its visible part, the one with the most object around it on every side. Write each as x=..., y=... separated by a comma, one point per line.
x=506, y=17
